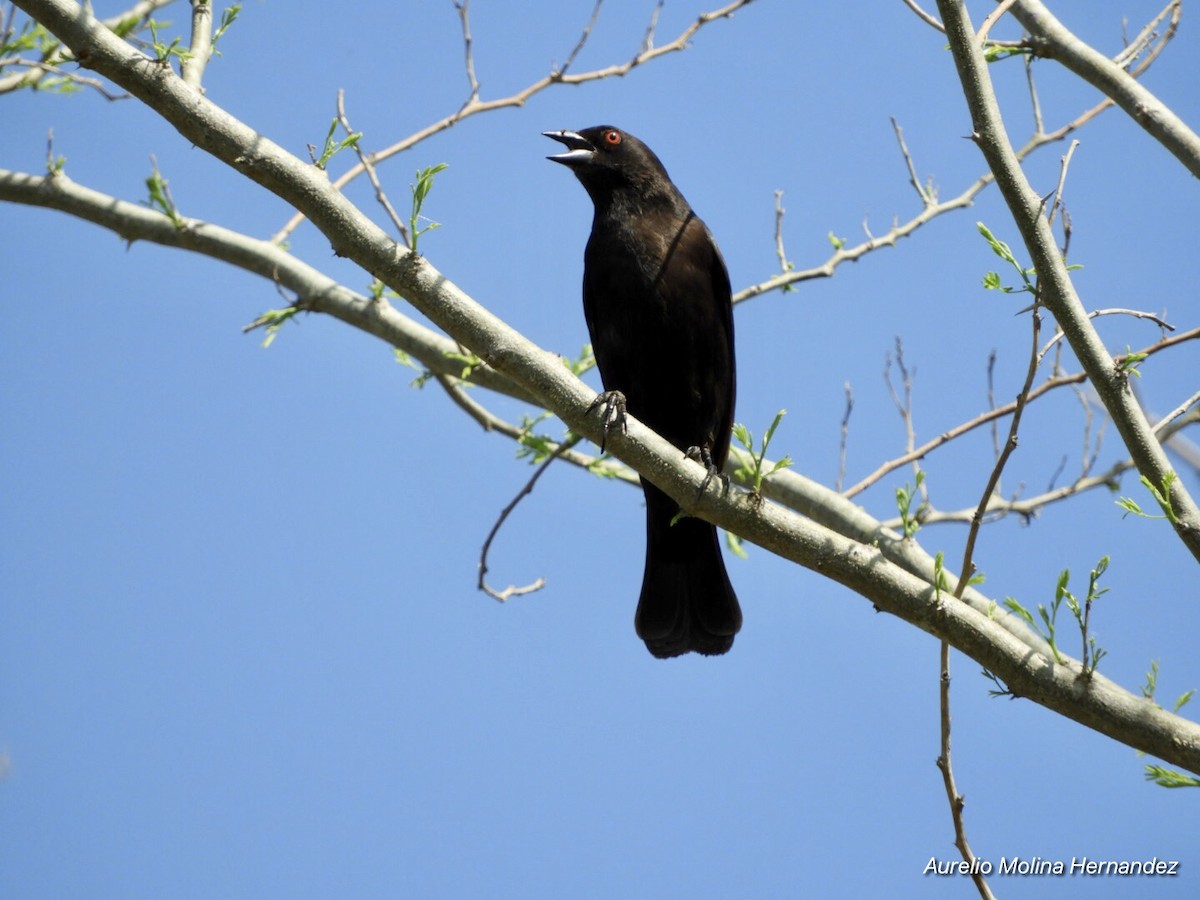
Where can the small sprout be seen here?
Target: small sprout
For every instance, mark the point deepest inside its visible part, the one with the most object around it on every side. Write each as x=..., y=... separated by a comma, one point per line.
x=1092, y=653
x=420, y=191
x=1162, y=497
x=992, y=280
x=1001, y=689
x=228, y=17
x=910, y=520
x=160, y=196
x=751, y=466
x=1169, y=778
x=163, y=52
x=1129, y=362
x=582, y=363
x=331, y=149
x=271, y=321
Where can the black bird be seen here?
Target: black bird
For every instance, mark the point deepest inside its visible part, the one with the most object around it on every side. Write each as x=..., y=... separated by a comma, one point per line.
x=656, y=297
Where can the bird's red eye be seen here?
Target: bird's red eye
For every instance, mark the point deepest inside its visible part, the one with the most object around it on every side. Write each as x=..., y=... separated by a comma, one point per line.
x=612, y=137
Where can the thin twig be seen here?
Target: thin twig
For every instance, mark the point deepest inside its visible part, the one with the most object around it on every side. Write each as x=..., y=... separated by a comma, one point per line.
x=372, y=175
x=463, y=7
x=539, y=583
x=845, y=436
x=1039, y=139
x=489, y=421
x=928, y=19
x=1049, y=38
x=904, y=406
x=583, y=39
x=1149, y=32
x=926, y=200
x=785, y=265
x=1114, y=311
x=648, y=38
x=991, y=401
x=1176, y=412
x=1064, y=163
x=992, y=18
x=555, y=77
x=966, y=570
x=73, y=77
x=955, y=799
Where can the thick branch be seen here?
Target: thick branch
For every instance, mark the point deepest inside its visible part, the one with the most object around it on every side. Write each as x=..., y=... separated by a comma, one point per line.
x=1054, y=282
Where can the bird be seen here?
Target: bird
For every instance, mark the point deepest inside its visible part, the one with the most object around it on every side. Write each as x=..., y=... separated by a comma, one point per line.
x=657, y=300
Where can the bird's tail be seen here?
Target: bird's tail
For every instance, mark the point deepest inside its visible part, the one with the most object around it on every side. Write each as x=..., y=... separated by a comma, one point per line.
x=687, y=602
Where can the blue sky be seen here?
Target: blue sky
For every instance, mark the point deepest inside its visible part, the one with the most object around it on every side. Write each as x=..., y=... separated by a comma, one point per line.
x=243, y=654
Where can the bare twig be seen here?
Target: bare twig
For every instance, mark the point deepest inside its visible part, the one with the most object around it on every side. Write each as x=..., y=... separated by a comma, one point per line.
x=1115, y=311
x=1064, y=164
x=992, y=18
x=583, y=39
x=16, y=80
x=785, y=265
x=1035, y=104
x=845, y=437
x=991, y=401
x=556, y=76
x=648, y=38
x=926, y=199
x=372, y=175
x=983, y=418
x=1133, y=49
x=967, y=569
x=538, y=584
x=926, y=17
x=1039, y=139
x=953, y=797
x=1176, y=412
x=463, y=7
x=903, y=405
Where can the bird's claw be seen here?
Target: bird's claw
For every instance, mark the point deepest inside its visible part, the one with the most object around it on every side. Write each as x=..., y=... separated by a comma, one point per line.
x=612, y=413
x=703, y=455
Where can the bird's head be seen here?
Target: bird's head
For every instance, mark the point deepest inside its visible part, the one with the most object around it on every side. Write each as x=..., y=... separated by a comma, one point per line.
x=608, y=160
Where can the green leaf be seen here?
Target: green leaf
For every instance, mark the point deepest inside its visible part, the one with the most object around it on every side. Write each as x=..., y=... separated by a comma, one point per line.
x=1169, y=778
x=734, y=543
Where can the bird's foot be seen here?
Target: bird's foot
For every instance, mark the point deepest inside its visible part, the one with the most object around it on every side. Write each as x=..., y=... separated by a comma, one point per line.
x=612, y=413
x=703, y=455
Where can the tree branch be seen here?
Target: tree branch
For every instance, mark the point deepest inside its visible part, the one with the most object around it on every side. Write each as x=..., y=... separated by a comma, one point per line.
x=316, y=292
x=474, y=105
x=862, y=567
x=1057, y=292
x=1049, y=38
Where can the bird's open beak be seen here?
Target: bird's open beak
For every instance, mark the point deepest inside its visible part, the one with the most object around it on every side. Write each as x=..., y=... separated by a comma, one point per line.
x=579, y=149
